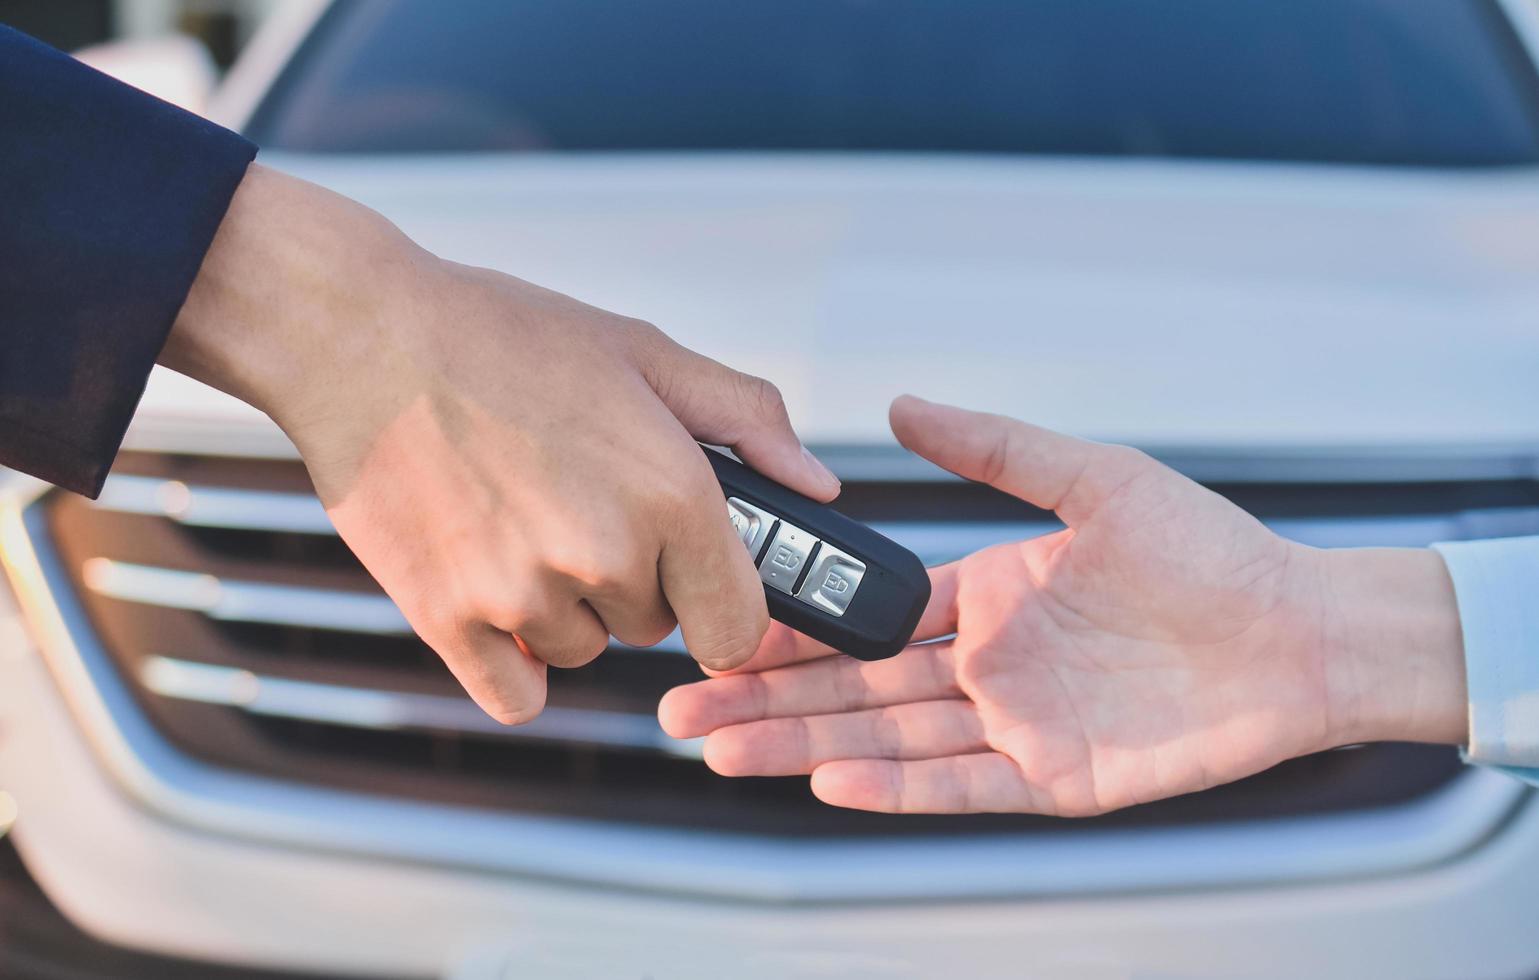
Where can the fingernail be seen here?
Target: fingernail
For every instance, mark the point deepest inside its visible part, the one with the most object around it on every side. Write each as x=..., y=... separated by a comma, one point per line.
x=823, y=473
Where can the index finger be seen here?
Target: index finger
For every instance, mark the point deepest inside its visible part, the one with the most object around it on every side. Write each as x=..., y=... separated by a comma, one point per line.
x=1049, y=469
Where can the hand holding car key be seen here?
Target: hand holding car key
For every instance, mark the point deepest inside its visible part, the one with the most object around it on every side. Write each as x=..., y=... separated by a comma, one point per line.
x=827, y=576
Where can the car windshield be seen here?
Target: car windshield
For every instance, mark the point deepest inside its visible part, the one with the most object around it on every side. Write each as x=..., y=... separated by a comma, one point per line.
x=1408, y=82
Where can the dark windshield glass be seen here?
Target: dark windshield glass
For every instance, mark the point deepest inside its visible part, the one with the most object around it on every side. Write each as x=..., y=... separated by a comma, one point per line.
x=1437, y=82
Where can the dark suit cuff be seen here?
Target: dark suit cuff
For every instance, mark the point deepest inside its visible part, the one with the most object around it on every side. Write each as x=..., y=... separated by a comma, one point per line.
x=112, y=198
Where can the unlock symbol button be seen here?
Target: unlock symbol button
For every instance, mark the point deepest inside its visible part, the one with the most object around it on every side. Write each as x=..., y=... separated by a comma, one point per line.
x=787, y=554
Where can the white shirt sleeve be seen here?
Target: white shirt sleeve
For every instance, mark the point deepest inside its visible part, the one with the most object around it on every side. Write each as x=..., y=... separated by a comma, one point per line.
x=1496, y=584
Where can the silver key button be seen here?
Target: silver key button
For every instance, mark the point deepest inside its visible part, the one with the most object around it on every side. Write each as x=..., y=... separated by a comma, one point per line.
x=782, y=564
x=833, y=580
x=751, y=523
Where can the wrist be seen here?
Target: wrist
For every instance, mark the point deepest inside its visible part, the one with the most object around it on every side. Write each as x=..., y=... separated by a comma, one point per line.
x=1390, y=647
x=292, y=295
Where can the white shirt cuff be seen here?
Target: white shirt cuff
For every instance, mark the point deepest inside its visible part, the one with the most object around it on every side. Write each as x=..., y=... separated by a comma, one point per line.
x=1496, y=584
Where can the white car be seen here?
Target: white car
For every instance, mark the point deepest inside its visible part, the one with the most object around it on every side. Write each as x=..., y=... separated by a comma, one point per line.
x=1293, y=249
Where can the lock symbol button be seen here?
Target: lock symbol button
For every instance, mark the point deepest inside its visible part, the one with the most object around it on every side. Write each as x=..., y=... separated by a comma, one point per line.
x=835, y=577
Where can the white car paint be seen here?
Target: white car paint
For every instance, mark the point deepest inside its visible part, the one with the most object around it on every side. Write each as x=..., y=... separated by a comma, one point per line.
x=1166, y=304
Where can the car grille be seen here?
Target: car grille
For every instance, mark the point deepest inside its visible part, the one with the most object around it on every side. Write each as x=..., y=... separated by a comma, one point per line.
x=254, y=640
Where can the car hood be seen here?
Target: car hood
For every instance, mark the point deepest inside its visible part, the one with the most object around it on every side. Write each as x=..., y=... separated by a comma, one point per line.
x=1163, y=304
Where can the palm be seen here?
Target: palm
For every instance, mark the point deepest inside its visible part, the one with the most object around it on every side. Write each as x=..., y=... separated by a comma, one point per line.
x=1133, y=656
x=1110, y=671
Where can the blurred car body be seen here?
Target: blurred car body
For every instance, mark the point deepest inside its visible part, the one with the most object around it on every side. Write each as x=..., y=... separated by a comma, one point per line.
x=1291, y=249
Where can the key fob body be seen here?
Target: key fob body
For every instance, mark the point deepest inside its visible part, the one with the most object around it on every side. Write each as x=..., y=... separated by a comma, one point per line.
x=824, y=575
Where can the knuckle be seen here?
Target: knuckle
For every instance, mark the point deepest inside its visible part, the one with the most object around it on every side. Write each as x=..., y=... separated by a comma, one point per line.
x=567, y=637
x=757, y=693
x=848, y=684
x=647, y=343
x=957, y=790
x=998, y=454
x=761, y=398
x=649, y=633
x=521, y=611
x=436, y=616
x=597, y=567
x=590, y=648
x=1126, y=459
x=578, y=653
x=439, y=629
x=887, y=734
x=1078, y=808
x=945, y=671
x=642, y=329
x=688, y=489
x=1118, y=468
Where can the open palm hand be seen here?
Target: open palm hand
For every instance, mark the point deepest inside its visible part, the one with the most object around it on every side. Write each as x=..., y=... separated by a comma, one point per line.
x=1159, y=644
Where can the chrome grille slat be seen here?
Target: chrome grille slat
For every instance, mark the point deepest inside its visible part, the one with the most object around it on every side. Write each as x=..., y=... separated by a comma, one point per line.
x=233, y=600
x=221, y=507
x=245, y=602
x=373, y=709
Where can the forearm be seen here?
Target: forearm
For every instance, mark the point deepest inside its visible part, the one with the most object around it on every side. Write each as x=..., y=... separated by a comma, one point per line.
x=296, y=286
x=1390, y=646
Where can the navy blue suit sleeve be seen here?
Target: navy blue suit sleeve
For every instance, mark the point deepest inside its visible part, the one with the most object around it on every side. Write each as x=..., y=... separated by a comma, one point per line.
x=109, y=199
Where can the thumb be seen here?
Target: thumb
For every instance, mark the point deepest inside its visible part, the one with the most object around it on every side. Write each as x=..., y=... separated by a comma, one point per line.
x=1070, y=476
x=729, y=408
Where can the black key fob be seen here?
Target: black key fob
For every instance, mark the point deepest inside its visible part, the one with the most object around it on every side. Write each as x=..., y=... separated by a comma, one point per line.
x=824, y=575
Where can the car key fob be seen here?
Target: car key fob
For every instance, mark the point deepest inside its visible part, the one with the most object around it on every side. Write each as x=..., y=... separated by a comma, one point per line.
x=825, y=575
